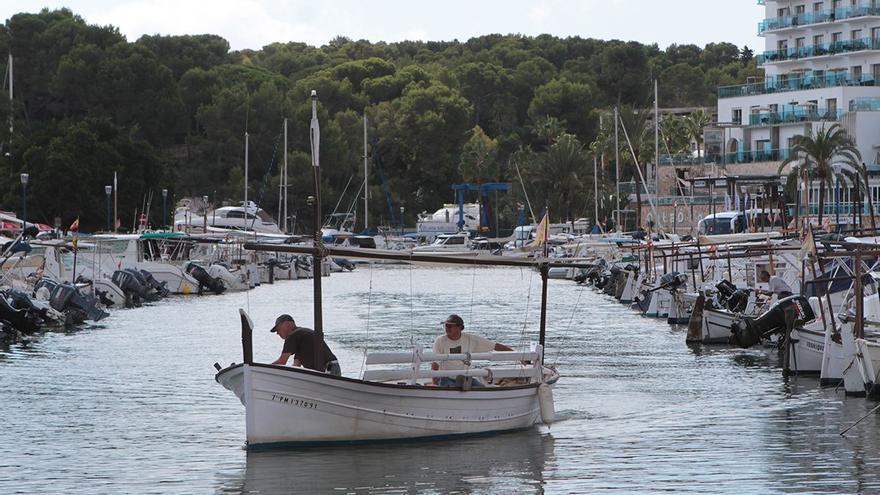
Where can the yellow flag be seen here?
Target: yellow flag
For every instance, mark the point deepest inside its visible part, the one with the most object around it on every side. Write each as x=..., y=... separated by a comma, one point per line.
x=542, y=235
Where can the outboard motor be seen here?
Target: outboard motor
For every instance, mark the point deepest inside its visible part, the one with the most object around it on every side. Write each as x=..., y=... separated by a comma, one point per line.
x=201, y=275
x=673, y=280
x=75, y=306
x=160, y=288
x=785, y=314
x=21, y=319
x=134, y=291
x=735, y=300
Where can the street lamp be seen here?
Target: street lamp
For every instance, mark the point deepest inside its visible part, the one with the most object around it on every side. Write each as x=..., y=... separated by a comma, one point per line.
x=108, y=190
x=164, y=209
x=24, y=183
x=401, y=221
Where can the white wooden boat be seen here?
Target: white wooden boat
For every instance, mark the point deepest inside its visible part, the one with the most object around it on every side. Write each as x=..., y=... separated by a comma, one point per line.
x=287, y=406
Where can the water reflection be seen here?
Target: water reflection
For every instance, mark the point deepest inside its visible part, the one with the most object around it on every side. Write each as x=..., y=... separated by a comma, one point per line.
x=506, y=463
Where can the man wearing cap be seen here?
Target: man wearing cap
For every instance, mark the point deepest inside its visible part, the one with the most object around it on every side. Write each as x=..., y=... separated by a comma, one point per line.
x=455, y=341
x=300, y=343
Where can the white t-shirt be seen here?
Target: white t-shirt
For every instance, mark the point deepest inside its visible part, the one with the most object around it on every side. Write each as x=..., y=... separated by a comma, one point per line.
x=777, y=285
x=467, y=343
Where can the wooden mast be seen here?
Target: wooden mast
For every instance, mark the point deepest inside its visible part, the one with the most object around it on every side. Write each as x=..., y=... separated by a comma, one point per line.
x=317, y=248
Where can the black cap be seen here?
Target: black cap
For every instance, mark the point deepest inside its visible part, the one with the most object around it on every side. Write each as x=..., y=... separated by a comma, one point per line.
x=281, y=319
x=455, y=319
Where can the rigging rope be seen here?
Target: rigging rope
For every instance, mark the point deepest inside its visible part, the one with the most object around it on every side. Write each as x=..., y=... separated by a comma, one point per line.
x=574, y=308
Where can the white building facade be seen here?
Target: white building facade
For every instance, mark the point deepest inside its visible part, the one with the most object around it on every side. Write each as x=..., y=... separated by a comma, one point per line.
x=822, y=65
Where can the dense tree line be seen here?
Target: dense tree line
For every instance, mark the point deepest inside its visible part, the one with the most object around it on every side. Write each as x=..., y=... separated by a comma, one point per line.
x=172, y=112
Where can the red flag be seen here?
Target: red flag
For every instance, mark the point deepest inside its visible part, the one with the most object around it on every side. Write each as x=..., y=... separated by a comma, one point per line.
x=74, y=226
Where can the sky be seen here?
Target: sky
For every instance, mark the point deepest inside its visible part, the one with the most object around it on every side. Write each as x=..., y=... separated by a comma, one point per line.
x=256, y=23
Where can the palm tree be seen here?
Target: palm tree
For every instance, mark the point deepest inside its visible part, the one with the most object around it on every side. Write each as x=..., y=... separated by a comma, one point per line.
x=562, y=168
x=816, y=155
x=694, y=123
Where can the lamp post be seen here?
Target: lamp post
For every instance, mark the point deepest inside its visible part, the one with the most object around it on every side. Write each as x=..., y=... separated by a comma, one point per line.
x=401, y=221
x=24, y=183
x=164, y=209
x=108, y=190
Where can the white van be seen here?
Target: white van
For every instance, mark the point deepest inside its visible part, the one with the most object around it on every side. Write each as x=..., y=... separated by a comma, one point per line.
x=734, y=222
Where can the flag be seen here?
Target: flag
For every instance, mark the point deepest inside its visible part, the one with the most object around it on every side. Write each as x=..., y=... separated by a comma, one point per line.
x=542, y=234
x=315, y=131
x=74, y=227
x=808, y=245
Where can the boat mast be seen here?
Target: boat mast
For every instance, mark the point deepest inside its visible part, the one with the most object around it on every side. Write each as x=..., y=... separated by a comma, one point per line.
x=617, y=171
x=10, y=98
x=656, y=142
x=366, y=184
x=245, y=175
x=317, y=255
x=285, y=179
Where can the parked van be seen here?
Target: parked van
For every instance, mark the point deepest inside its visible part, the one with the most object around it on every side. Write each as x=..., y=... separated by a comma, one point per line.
x=734, y=222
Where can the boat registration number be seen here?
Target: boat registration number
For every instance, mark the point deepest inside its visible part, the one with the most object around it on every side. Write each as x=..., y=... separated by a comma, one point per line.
x=294, y=402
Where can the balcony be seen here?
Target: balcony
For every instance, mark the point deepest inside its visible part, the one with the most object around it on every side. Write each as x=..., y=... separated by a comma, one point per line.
x=687, y=159
x=793, y=115
x=808, y=18
x=865, y=105
x=785, y=84
x=835, y=48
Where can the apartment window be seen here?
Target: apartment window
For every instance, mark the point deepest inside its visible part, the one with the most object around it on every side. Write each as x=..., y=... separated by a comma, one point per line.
x=856, y=34
x=799, y=9
x=831, y=104
x=774, y=107
x=856, y=72
x=818, y=39
x=782, y=45
x=875, y=72
x=784, y=12
x=817, y=7
x=836, y=37
x=799, y=43
x=737, y=116
x=875, y=33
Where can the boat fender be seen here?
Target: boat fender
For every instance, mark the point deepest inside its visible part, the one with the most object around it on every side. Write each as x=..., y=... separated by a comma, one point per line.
x=545, y=401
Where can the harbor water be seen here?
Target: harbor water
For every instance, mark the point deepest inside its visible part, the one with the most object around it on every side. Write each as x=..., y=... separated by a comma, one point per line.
x=130, y=405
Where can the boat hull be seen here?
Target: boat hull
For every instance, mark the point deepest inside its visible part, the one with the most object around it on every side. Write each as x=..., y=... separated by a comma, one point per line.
x=286, y=406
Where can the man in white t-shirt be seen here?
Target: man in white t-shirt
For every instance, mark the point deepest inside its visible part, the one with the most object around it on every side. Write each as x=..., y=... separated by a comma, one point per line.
x=457, y=342
x=777, y=284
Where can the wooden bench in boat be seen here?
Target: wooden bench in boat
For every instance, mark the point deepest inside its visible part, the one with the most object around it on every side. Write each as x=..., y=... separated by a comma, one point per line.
x=417, y=357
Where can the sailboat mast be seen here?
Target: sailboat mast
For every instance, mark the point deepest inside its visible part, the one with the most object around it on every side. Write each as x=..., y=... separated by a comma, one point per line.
x=366, y=183
x=656, y=140
x=285, y=179
x=245, y=175
x=317, y=256
x=10, y=98
x=617, y=170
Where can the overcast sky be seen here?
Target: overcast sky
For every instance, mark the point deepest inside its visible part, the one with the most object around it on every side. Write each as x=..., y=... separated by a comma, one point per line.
x=255, y=23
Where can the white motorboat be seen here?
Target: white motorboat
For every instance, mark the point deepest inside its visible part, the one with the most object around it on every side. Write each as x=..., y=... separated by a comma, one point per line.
x=455, y=244
x=249, y=217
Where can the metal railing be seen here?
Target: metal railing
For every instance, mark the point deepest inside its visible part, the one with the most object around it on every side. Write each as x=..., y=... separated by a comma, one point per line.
x=864, y=105
x=833, y=48
x=687, y=159
x=787, y=116
x=807, y=18
x=785, y=84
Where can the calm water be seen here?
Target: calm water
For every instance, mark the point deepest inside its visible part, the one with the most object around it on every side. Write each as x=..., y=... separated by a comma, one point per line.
x=131, y=405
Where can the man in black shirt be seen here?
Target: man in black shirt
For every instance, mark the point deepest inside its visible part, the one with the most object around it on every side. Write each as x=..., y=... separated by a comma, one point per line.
x=300, y=343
